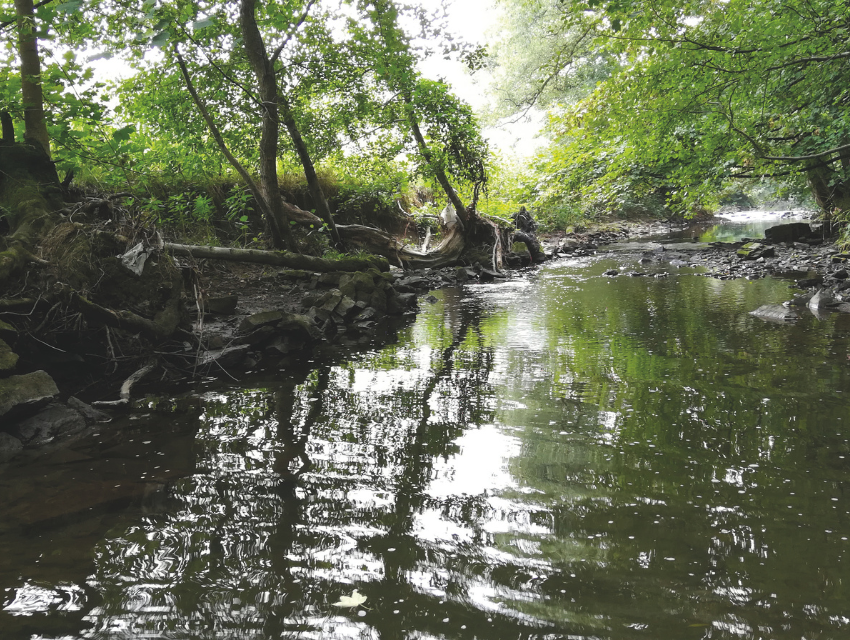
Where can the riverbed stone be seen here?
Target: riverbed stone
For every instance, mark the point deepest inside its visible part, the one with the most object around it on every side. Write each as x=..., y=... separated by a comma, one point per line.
x=228, y=357
x=299, y=324
x=775, y=313
x=346, y=308
x=54, y=420
x=8, y=359
x=254, y=338
x=88, y=412
x=791, y=232
x=755, y=250
x=257, y=320
x=8, y=332
x=10, y=446
x=822, y=300
x=24, y=395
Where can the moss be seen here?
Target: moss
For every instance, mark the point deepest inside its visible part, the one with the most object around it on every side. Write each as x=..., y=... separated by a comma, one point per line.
x=8, y=358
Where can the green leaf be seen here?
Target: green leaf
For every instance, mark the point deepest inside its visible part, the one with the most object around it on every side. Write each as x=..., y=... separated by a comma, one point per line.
x=124, y=133
x=202, y=24
x=71, y=6
x=161, y=39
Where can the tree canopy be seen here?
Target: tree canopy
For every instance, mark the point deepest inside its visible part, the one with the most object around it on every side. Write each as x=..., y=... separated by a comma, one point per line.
x=697, y=93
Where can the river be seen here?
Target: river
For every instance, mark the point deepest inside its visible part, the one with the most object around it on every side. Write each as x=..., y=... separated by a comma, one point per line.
x=565, y=455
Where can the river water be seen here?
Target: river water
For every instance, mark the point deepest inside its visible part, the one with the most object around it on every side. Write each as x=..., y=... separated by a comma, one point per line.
x=566, y=455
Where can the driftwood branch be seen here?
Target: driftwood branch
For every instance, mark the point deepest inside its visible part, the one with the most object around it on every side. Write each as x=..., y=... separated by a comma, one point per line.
x=276, y=258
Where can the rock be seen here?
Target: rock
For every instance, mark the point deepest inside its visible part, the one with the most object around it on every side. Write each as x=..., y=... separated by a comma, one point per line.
x=841, y=274
x=330, y=300
x=775, y=313
x=54, y=420
x=283, y=345
x=791, y=232
x=257, y=320
x=801, y=300
x=378, y=300
x=8, y=332
x=222, y=305
x=8, y=359
x=253, y=339
x=300, y=325
x=331, y=279
x=229, y=357
x=10, y=446
x=808, y=283
x=611, y=272
x=755, y=250
x=822, y=300
x=23, y=395
x=401, y=303
x=88, y=412
x=347, y=308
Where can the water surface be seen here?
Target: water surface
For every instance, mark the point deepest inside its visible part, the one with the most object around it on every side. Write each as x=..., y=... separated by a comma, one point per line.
x=562, y=455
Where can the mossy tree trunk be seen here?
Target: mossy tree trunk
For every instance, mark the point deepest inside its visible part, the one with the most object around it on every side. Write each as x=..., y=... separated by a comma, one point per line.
x=29, y=198
x=35, y=126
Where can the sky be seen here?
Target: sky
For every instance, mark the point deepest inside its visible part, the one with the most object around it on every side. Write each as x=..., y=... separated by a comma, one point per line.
x=477, y=22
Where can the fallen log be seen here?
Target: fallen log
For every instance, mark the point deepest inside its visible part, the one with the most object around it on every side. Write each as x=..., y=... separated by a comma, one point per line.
x=277, y=258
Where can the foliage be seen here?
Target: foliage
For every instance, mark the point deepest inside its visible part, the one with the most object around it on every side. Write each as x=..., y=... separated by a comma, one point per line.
x=702, y=93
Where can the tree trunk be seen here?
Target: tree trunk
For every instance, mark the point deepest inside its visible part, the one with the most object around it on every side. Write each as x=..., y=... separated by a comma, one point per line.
x=264, y=71
x=316, y=191
x=35, y=126
x=276, y=258
x=441, y=176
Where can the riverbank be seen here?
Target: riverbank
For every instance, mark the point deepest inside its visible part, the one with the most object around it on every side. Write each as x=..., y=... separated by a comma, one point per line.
x=245, y=317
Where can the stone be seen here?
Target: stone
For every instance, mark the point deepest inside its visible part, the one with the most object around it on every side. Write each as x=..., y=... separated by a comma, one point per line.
x=808, y=283
x=378, y=300
x=791, y=232
x=401, y=303
x=755, y=250
x=221, y=305
x=253, y=339
x=841, y=274
x=88, y=412
x=229, y=357
x=299, y=324
x=330, y=279
x=611, y=272
x=10, y=446
x=775, y=313
x=8, y=332
x=8, y=359
x=24, y=395
x=346, y=308
x=318, y=315
x=54, y=420
x=330, y=300
x=257, y=320
x=368, y=314
x=822, y=300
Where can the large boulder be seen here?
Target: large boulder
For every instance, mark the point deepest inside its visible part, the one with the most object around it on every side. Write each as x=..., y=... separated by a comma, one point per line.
x=54, y=420
x=791, y=232
x=24, y=395
x=10, y=446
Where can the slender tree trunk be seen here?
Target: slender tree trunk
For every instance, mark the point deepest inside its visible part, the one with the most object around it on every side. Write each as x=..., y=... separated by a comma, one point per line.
x=35, y=126
x=441, y=176
x=316, y=191
x=256, y=191
x=263, y=69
